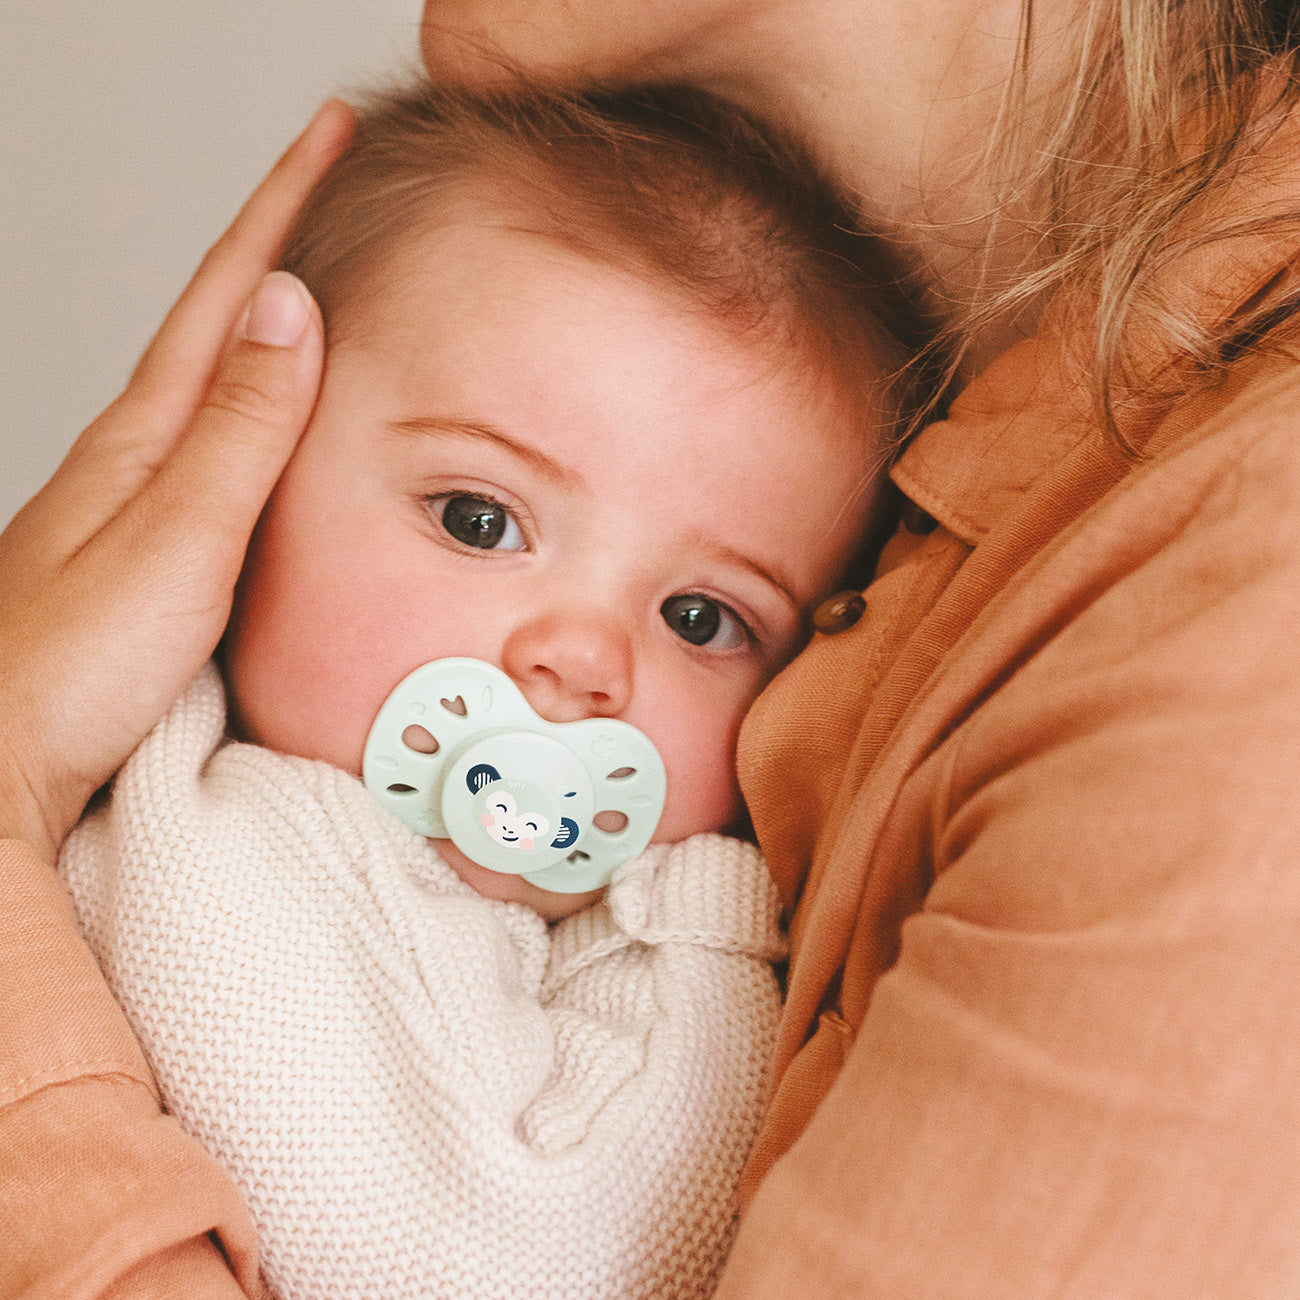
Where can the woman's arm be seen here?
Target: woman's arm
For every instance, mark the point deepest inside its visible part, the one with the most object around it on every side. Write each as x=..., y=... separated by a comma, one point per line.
x=101, y=1194
x=115, y=582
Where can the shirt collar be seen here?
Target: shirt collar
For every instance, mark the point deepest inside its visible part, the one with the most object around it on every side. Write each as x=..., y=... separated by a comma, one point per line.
x=1032, y=405
x=1000, y=435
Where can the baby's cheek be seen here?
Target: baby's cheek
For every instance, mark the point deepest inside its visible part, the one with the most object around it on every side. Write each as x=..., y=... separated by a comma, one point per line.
x=298, y=692
x=702, y=791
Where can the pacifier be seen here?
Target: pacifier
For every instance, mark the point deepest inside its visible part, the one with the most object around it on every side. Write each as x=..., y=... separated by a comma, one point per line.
x=457, y=753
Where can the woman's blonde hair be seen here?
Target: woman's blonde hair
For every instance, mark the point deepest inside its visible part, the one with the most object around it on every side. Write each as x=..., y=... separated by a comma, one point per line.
x=1171, y=104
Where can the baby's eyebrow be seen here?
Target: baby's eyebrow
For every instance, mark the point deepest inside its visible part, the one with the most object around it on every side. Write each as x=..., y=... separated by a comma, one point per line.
x=456, y=427
x=773, y=579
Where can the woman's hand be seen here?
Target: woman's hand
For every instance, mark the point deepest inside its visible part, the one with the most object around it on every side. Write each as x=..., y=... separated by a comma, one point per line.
x=116, y=579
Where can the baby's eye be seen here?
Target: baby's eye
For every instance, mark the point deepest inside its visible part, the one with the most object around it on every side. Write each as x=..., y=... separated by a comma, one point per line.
x=479, y=522
x=702, y=621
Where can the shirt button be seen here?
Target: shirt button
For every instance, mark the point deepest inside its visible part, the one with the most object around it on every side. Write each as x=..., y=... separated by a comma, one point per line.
x=839, y=612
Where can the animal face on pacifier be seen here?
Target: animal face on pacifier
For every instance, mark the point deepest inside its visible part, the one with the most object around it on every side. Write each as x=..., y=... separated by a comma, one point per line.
x=508, y=824
x=457, y=753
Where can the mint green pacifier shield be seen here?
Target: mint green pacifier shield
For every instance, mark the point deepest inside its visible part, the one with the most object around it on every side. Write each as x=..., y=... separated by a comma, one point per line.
x=457, y=753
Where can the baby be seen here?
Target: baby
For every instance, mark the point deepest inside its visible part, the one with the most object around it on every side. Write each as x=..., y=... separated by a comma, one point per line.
x=605, y=409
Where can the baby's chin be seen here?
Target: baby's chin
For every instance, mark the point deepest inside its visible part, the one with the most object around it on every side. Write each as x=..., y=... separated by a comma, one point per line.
x=506, y=888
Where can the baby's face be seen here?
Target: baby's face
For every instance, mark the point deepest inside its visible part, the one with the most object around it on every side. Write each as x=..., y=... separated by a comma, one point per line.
x=526, y=457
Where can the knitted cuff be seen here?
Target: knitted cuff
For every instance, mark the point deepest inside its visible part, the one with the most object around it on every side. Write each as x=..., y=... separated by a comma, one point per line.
x=709, y=891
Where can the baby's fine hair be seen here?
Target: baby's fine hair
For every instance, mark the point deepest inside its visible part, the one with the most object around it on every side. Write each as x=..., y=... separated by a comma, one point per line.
x=663, y=181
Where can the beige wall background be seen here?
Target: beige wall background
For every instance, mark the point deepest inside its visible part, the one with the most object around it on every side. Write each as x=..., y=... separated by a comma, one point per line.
x=130, y=131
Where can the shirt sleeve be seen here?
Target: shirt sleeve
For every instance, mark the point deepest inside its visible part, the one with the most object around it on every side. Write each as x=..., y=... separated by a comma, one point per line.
x=101, y=1194
x=1081, y=1080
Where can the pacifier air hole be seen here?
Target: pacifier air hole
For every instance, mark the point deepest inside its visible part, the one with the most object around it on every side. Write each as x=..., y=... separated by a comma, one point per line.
x=419, y=739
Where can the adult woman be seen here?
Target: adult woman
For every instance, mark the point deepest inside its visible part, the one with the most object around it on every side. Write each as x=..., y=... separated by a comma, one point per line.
x=1061, y=741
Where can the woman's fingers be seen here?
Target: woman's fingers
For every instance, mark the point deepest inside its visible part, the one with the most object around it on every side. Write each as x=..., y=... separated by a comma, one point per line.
x=125, y=446
x=97, y=639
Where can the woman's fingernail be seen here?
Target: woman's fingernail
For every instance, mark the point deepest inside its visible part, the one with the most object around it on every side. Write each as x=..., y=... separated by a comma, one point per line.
x=278, y=312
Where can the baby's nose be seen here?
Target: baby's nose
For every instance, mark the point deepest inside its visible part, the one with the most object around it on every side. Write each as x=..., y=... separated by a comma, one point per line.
x=571, y=666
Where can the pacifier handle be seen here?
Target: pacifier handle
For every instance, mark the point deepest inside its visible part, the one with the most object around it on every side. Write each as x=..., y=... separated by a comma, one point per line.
x=456, y=752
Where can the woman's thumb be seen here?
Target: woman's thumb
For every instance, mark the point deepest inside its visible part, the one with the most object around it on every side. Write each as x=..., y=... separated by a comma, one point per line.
x=278, y=312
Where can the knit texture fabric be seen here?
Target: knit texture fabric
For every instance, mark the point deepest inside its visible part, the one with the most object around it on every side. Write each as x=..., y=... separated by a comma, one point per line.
x=419, y=1091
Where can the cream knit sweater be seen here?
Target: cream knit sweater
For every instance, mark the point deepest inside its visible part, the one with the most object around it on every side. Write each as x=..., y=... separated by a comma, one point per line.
x=419, y=1091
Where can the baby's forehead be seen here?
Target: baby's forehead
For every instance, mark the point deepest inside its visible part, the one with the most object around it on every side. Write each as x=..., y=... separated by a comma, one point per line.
x=784, y=330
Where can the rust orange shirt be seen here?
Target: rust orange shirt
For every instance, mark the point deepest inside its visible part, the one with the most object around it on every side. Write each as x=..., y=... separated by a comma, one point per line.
x=1037, y=813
